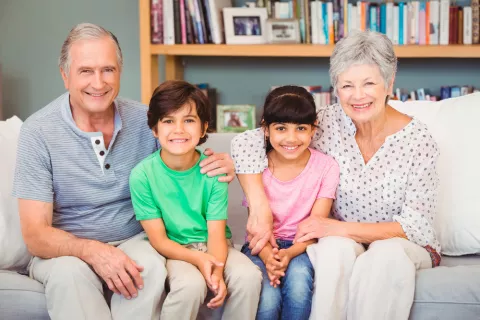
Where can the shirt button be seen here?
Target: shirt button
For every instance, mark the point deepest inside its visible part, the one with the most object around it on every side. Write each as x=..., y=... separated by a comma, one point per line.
x=102, y=153
x=107, y=166
x=97, y=141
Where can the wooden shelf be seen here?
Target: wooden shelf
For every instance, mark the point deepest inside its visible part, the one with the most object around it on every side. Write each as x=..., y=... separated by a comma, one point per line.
x=307, y=50
x=173, y=53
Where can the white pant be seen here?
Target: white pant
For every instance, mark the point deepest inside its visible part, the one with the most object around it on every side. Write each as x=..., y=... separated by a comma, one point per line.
x=74, y=291
x=377, y=284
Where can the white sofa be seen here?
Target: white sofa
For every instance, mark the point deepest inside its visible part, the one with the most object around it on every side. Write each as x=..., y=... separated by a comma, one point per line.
x=451, y=291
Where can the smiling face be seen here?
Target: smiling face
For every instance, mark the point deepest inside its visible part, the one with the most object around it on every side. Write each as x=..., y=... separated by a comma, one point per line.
x=290, y=140
x=179, y=132
x=362, y=92
x=93, y=79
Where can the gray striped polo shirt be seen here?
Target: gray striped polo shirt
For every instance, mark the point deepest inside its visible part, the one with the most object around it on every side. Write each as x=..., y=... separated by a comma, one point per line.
x=88, y=184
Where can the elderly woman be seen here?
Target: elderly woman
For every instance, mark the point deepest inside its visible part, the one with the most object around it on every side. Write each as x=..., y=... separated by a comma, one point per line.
x=382, y=232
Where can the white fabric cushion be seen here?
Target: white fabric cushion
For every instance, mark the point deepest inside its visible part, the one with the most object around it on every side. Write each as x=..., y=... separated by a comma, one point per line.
x=454, y=124
x=13, y=252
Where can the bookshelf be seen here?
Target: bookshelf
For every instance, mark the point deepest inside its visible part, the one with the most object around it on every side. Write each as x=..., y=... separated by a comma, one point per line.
x=149, y=53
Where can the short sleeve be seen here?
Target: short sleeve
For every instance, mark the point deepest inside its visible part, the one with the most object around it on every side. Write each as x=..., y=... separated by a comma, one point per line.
x=218, y=202
x=248, y=152
x=421, y=196
x=328, y=187
x=142, y=198
x=33, y=178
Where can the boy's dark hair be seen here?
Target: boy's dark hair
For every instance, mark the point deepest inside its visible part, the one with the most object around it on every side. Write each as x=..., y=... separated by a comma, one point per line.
x=171, y=96
x=288, y=104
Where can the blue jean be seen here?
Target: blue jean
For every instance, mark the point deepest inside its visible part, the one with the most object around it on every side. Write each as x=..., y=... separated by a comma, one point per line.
x=293, y=298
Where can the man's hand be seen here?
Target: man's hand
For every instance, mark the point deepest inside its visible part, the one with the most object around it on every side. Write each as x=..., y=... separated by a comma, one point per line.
x=206, y=264
x=216, y=164
x=219, y=289
x=318, y=227
x=259, y=229
x=120, y=273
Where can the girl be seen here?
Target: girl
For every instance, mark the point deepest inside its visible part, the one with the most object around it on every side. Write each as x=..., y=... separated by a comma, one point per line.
x=299, y=182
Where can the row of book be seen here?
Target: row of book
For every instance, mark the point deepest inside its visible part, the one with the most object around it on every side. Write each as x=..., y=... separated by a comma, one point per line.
x=187, y=21
x=446, y=92
x=326, y=97
x=325, y=22
x=405, y=23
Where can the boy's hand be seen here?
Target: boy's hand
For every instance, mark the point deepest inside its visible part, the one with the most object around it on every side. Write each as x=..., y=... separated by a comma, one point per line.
x=206, y=263
x=274, y=268
x=219, y=289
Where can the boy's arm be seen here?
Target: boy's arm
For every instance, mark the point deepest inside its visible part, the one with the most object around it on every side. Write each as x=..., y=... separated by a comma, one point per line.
x=217, y=243
x=216, y=216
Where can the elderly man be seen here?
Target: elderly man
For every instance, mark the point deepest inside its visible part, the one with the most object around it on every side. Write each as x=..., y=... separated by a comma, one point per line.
x=73, y=164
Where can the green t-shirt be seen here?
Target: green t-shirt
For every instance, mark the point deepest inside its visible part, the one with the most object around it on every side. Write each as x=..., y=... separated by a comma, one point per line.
x=184, y=200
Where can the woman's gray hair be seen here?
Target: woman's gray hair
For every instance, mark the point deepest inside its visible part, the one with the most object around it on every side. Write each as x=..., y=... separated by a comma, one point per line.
x=84, y=31
x=363, y=47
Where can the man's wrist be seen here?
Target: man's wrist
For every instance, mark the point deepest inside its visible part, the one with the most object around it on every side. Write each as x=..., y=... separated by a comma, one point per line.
x=84, y=250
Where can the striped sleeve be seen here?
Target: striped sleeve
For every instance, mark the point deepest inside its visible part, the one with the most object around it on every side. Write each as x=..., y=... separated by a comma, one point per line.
x=33, y=171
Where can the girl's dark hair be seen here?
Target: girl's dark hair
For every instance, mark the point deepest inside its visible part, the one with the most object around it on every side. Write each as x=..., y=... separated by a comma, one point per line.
x=171, y=96
x=288, y=104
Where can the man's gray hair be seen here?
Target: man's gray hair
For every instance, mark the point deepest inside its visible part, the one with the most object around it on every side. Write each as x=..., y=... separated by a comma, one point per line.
x=363, y=47
x=84, y=31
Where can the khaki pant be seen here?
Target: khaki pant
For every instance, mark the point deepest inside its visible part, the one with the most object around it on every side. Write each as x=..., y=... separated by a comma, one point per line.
x=188, y=289
x=377, y=284
x=74, y=291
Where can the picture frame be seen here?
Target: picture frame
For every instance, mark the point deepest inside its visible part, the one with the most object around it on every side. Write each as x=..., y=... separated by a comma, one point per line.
x=283, y=31
x=245, y=25
x=235, y=118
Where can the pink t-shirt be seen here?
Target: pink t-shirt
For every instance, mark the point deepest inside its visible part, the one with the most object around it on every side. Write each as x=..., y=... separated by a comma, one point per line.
x=292, y=201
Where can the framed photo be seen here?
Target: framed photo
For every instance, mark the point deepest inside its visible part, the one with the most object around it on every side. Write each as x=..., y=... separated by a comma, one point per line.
x=235, y=118
x=283, y=31
x=245, y=25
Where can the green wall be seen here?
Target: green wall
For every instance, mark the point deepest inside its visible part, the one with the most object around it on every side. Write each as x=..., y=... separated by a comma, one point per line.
x=32, y=32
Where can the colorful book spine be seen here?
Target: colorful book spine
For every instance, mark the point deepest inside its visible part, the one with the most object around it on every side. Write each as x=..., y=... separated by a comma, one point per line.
x=401, y=19
x=467, y=25
x=475, y=21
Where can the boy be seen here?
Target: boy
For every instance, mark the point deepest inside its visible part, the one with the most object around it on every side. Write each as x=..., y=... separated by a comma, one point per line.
x=184, y=212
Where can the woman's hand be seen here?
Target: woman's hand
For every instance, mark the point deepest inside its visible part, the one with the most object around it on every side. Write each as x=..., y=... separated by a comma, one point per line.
x=259, y=231
x=318, y=227
x=216, y=164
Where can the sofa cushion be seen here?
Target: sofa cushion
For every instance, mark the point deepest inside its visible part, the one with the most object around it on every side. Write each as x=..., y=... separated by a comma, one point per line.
x=454, y=125
x=14, y=253
x=467, y=260
x=21, y=298
x=447, y=292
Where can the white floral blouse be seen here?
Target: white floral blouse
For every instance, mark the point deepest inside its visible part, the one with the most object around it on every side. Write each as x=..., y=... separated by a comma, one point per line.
x=399, y=183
